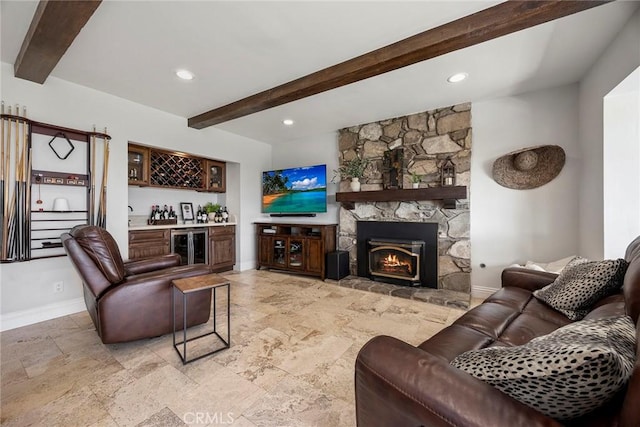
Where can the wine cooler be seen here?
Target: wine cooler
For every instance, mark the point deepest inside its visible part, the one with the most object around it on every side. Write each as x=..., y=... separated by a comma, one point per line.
x=190, y=244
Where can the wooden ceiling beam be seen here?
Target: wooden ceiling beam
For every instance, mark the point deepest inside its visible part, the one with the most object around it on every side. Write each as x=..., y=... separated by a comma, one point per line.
x=502, y=19
x=54, y=26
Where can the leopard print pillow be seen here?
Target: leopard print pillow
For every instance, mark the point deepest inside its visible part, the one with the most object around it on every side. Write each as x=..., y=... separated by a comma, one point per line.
x=581, y=284
x=565, y=374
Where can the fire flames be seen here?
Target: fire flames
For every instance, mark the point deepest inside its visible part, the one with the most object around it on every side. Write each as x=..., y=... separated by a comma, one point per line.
x=392, y=263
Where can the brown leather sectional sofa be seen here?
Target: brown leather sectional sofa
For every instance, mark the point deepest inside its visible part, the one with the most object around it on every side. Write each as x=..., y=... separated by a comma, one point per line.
x=130, y=300
x=398, y=384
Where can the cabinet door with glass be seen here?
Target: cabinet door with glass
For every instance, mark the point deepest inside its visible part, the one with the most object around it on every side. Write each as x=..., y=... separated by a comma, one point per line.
x=199, y=242
x=296, y=253
x=138, y=166
x=279, y=252
x=216, y=176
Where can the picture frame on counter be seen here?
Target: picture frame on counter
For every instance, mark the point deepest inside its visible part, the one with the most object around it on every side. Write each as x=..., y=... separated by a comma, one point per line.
x=187, y=211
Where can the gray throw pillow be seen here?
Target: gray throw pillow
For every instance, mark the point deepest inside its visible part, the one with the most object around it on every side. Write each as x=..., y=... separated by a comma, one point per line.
x=581, y=284
x=565, y=374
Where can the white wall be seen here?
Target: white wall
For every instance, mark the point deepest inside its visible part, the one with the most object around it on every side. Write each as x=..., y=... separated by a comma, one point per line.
x=621, y=166
x=616, y=63
x=512, y=226
x=313, y=150
x=26, y=288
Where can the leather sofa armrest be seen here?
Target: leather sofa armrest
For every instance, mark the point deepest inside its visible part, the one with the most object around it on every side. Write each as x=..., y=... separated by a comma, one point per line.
x=398, y=384
x=151, y=264
x=526, y=278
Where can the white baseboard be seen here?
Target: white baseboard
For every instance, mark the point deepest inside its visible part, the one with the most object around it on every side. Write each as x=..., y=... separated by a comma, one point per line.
x=17, y=319
x=482, y=291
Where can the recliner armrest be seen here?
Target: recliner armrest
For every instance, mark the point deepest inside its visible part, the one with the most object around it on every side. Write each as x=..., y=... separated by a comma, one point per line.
x=398, y=384
x=163, y=276
x=526, y=278
x=151, y=264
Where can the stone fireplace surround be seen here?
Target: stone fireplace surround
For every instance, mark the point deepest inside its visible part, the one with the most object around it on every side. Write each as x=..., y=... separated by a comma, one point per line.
x=427, y=139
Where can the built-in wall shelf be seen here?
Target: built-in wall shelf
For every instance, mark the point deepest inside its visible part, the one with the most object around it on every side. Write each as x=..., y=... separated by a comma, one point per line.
x=448, y=194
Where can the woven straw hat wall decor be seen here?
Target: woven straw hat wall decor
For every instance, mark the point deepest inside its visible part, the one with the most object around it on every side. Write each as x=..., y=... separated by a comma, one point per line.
x=529, y=167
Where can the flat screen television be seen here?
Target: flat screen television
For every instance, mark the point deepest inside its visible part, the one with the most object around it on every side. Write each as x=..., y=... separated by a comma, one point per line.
x=295, y=191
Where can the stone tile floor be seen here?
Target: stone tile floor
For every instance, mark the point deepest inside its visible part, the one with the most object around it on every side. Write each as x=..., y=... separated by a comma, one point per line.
x=294, y=343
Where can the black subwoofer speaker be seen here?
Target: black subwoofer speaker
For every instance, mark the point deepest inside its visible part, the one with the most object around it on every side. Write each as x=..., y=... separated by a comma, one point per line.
x=337, y=265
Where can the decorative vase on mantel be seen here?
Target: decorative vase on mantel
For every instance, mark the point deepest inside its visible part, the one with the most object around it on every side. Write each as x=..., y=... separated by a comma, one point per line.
x=355, y=184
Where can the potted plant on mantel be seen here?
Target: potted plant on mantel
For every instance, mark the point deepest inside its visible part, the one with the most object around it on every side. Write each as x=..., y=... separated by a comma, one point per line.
x=415, y=180
x=352, y=169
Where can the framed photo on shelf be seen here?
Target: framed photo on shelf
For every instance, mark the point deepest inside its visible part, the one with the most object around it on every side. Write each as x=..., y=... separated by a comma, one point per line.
x=187, y=211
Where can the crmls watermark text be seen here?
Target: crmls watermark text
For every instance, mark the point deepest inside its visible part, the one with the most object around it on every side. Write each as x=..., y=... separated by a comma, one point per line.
x=217, y=418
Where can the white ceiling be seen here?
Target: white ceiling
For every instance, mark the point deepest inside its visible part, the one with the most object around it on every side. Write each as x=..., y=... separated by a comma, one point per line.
x=131, y=49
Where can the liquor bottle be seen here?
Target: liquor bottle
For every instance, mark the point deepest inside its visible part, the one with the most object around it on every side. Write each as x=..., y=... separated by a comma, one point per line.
x=157, y=212
x=153, y=214
x=199, y=214
x=165, y=213
x=172, y=213
x=225, y=214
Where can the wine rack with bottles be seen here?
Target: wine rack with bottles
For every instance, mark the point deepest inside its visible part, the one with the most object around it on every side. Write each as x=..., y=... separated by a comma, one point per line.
x=177, y=171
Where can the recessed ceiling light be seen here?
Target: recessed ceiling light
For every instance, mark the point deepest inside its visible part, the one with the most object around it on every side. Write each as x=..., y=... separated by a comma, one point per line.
x=184, y=74
x=458, y=77
x=287, y=122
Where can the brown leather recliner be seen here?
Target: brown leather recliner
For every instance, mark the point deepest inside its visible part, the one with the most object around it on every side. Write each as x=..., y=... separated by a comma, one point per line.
x=131, y=300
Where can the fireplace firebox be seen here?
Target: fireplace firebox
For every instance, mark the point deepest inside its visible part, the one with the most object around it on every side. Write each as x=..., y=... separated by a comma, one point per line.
x=401, y=253
x=396, y=259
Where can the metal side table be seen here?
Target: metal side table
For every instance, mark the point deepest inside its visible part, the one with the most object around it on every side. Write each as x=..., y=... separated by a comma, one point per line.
x=198, y=284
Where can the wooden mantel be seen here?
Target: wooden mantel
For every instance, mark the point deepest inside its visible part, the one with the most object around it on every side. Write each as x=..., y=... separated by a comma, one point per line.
x=448, y=194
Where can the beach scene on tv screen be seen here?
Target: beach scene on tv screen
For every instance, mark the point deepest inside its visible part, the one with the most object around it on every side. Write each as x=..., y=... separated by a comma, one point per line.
x=295, y=190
